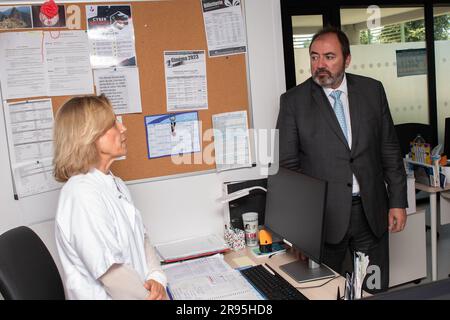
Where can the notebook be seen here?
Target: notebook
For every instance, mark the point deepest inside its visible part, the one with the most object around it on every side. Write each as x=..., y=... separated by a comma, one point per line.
x=209, y=278
x=190, y=248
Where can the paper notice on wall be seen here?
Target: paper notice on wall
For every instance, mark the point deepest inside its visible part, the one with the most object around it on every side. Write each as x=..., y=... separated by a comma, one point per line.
x=186, y=87
x=67, y=63
x=34, y=178
x=172, y=134
x=111, y=36
x=121, y=87
x=29, y=126
x=23, y=72
x=231, y=140
x=224, y=27
x=40, y=63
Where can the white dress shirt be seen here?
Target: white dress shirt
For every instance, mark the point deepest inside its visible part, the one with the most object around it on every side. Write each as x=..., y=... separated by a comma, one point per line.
x=344, y=100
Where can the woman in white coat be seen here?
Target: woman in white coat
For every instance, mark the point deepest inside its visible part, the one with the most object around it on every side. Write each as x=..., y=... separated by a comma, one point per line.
x=100, y=236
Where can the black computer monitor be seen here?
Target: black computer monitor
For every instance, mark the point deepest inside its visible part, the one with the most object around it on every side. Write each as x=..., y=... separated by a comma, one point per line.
x=295, y=212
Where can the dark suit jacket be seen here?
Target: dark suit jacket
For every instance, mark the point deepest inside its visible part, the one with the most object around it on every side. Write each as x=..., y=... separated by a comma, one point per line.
x=312, y=141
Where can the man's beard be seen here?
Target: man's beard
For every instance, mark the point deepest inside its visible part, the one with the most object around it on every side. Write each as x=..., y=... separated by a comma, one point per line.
x=329, y=80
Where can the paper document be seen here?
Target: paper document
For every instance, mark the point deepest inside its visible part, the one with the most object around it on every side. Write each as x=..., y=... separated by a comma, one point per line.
x=111, y=36
x=190, y=248
x=209, y=278
x=29, y=127
x=361, y=263
x=121, y=87
x=37, y=63
x=231, y=140
x=354, y=281
x=34, y=178
x=67, y=63
x=172, y=134
x=185, y=73
x=224, y=27
x=23, y=72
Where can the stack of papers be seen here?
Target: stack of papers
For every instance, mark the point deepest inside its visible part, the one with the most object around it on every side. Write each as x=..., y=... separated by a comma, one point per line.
x=354, y=281
x=209, y=278
x=191, y=248
x=360, y=265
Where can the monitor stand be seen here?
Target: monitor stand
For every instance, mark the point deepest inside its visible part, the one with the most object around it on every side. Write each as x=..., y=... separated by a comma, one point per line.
x=303, y=271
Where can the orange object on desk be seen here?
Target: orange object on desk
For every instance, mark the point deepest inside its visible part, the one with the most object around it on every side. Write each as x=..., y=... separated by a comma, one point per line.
x=265, y=241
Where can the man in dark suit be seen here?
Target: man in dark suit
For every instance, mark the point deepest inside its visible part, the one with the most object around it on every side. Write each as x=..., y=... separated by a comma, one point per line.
x=337, y=127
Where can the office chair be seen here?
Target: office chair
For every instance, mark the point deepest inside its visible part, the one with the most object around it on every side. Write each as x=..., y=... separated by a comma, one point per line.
x=406, y=132
x=27, y=270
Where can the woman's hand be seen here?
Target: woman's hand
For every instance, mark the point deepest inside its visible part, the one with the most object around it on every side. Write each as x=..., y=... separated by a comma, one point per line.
x=157, y=290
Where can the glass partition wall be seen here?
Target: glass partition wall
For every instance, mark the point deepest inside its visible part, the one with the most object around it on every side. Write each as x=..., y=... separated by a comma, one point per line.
x=405, y=45
x=388, y=44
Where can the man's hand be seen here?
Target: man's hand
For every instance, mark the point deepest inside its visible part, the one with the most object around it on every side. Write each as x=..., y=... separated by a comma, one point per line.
x=397, y=219
x=157, y=290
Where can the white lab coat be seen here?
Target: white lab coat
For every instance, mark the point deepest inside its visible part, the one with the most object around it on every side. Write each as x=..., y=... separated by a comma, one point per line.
x=96, y=226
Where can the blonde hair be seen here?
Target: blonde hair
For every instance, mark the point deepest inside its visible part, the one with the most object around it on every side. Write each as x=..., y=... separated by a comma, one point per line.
x=78, y=124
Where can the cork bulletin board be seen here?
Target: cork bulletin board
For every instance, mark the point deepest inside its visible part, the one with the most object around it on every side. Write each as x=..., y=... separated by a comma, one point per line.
x=170, y=26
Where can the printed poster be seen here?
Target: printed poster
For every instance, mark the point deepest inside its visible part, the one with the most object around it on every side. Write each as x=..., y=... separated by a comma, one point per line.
x=111, y=36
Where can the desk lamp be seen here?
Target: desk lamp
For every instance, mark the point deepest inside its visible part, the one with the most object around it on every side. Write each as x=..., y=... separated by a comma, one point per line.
x=226, y=214
x=234, y=196
x=239, y=194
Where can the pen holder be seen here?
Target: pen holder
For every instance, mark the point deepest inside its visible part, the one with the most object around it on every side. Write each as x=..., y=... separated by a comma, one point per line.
x=235, y=238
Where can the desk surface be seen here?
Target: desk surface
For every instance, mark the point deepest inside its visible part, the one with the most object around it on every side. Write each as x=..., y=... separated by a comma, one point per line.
x=325, y=292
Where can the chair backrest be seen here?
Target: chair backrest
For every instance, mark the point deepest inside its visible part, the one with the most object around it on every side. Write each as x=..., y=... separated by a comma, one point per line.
x=27, y=269
x=406, y=132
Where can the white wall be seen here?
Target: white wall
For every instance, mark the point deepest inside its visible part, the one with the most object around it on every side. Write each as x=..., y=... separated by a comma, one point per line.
x=180, y=207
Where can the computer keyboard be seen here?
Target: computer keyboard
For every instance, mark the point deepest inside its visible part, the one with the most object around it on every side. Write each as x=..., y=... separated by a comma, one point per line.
x=273, y=287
